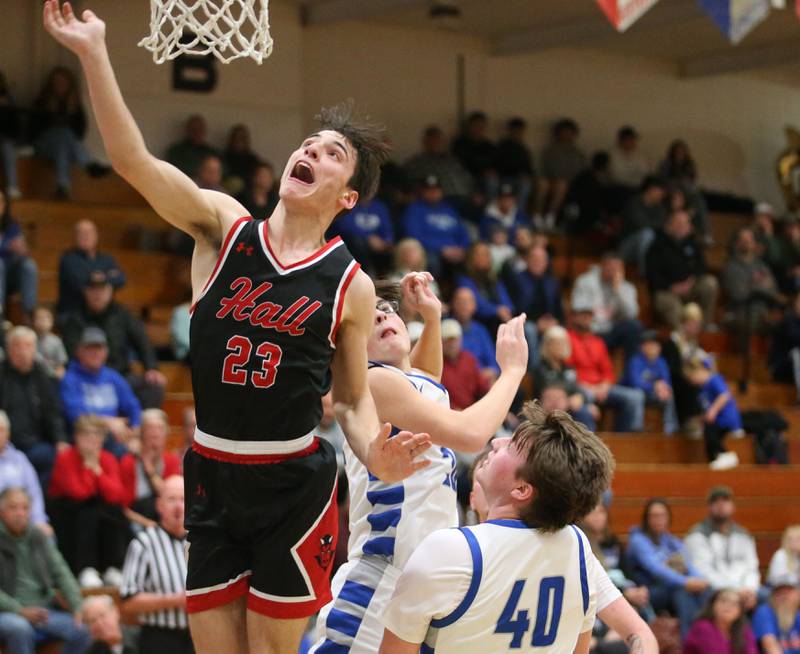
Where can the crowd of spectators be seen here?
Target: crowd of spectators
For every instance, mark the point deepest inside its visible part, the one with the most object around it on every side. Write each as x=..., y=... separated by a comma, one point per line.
x=84, y=460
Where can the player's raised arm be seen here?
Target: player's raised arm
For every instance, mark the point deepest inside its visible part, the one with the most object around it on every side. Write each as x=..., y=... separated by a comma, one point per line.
x=171, y=193
x=467, y=430
x=388, y=459
x=427, y=353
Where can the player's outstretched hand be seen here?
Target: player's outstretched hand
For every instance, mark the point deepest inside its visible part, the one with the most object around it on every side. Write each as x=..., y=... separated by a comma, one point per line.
x=394, y=459
x=419, y=297
x=79, y=36
x=512, y=348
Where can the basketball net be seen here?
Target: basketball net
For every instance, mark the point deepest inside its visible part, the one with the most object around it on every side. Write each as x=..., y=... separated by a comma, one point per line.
x=228, y=29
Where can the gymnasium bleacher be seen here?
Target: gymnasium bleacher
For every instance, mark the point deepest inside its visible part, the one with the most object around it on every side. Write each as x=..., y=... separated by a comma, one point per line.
x=649, y=464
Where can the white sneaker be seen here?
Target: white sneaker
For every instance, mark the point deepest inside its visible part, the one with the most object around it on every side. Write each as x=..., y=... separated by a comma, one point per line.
x=90, y=578
x=725, y=461
x=538, y=222
x=14, y=193
x=737, y=434
x=550, y=222
x=112, y=577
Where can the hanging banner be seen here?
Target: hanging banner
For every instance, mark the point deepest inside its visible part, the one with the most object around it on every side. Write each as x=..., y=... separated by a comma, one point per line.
x=624, y=13
x=736, y=18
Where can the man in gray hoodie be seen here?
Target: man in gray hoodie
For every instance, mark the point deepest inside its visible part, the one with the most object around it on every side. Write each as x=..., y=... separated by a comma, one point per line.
x=723, y=551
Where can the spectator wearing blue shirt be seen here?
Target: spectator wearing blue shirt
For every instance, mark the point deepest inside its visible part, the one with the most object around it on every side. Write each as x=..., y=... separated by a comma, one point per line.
x=494, y=305
x=776, y=623
x=90, y=387
x=649, y=372
x=18, y=271
x=437, y=225
x=503, y=212
x=536, y=293
x=367, y=231
x=658, y=560
x=17, y=472
x=475, y=337
x=720, y=413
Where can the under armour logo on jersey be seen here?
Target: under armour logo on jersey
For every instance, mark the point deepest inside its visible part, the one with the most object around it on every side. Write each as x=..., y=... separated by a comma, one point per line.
x=199, y=491
x=247, y=249
x=326, y=552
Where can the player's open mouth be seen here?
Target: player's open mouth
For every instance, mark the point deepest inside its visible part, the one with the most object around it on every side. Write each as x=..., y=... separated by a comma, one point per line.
x=303, y=173
x=389, y=331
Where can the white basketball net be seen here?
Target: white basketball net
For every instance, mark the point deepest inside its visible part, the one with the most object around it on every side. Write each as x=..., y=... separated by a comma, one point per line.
x=228, y=29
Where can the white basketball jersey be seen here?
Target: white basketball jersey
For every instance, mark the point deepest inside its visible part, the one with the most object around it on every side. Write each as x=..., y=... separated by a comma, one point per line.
x=529, y=592
x=390, y=520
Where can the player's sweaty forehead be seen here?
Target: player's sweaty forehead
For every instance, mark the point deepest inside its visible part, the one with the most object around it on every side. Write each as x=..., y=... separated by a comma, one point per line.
x=334, y=138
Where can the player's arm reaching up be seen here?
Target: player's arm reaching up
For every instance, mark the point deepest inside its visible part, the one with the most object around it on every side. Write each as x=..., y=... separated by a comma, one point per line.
x=205, y=215
x=388, y=459
x=418, y=296
x=467, y=430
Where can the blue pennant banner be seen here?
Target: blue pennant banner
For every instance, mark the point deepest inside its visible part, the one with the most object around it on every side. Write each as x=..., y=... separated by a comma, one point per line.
x=736, y=18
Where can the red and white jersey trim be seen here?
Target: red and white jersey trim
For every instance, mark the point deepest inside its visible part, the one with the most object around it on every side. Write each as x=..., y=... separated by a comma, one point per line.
x=218, y=587
x=338, y=300
x=282, y=269
x=253, y=448
x=227, y=244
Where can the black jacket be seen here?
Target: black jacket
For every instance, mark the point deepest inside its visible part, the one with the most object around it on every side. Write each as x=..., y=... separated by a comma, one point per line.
x=670, y=261
x=123, y=331
x=33, y=406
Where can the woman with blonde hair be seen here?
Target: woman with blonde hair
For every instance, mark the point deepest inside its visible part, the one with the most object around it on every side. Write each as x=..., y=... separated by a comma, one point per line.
x=776, y=623
x=554, y=352
x=409, y=256
x=682, y=346
x=785, y=562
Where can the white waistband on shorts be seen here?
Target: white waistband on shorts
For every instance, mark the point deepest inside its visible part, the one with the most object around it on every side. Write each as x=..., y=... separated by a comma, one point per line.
x=253, y=447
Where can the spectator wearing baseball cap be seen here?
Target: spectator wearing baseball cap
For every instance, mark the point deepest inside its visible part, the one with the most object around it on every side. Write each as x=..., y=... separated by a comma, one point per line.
x=79, y=262
x=125, y=334
x=503, y=212
x=437, y=225
x=91, y=387
x=776, y=622
x=723, y=551
x=461, y=375
x=596, y=373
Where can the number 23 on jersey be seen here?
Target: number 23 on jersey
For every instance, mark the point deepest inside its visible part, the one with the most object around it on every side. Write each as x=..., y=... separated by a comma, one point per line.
x=267, y=358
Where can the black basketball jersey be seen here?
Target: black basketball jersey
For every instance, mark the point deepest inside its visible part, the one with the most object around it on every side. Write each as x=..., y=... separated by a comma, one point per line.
x=263, y=335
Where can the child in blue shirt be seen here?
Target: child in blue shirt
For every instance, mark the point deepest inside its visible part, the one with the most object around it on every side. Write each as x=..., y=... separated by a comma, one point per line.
x=721, y=415
x=649, y=372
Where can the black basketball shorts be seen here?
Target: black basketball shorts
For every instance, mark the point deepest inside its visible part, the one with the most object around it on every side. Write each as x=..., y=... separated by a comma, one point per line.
x=267, y=531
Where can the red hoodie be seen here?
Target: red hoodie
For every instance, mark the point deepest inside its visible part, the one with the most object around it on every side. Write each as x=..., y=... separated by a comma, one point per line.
x=590, y=359
x=74, y=481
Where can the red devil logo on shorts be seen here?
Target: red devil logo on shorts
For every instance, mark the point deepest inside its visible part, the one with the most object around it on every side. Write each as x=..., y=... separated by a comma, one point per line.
x=326, y=552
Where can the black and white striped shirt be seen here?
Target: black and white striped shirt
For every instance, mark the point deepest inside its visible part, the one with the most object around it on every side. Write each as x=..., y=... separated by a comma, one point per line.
x=156, y=563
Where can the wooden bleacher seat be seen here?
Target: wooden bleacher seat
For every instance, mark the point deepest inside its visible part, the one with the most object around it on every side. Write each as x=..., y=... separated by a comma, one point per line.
x=37, y=179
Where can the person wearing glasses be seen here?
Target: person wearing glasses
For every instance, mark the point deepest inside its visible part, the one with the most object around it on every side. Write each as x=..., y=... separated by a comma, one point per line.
x=388, y=521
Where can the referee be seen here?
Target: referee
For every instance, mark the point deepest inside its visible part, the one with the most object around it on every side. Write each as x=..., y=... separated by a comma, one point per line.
x=153, y=580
